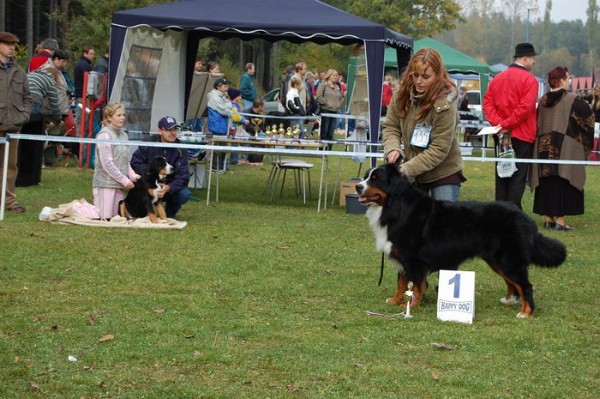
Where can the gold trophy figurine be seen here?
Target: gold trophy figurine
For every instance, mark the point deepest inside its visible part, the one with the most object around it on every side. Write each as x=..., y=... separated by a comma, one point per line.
x=296, y=131
x=281, y=129
x=268, y=130
x=256, y=125
x=274, y=129
x=288, y=131
x=409, y=299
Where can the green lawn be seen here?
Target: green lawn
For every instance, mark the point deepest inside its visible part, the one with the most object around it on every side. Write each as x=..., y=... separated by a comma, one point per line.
x=259, y=299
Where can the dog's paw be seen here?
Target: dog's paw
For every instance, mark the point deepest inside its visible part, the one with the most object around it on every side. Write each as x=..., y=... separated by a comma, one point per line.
x=511, y=301
x=394, y=301
x=522, y=315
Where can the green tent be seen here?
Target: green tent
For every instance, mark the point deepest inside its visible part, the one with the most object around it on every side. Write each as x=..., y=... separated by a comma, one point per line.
x=455, y=61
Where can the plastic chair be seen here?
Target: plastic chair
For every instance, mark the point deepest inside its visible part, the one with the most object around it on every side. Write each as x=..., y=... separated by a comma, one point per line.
x=300, y=170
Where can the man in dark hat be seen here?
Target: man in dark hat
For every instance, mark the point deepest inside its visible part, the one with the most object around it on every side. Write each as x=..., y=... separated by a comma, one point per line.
x=15, y=95
x=509, y=103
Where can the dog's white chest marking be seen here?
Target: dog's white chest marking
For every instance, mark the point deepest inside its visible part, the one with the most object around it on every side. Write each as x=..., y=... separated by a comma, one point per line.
x=381, y=235
x=155, y=192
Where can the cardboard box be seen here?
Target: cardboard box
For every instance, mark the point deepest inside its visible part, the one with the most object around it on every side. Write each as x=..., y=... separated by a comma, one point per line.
x=198, y=178
x=347, y=187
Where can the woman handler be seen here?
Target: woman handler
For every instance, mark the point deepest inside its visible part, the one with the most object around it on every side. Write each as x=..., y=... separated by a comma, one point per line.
x=420, y=127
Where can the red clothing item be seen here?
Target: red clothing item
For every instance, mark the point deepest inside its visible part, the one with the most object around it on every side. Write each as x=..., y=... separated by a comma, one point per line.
x=510, y=102
x=386, y=95
x=38, y=60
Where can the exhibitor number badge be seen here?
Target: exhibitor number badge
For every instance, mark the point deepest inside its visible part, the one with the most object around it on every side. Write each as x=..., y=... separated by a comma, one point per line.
x=421, y=135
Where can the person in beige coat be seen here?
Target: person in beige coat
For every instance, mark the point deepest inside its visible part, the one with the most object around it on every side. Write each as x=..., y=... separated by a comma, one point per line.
x=420, y=127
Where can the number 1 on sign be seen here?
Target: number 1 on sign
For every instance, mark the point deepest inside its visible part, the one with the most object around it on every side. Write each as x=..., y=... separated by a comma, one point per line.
x=456, y=281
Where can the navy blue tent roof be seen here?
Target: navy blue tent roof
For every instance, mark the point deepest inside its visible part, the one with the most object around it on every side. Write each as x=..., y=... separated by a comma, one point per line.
x=273, y=20
x=291, y=20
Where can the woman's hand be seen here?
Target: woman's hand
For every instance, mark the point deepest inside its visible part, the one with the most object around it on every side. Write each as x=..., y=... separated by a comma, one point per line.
x=393, y=156
x=129, y=185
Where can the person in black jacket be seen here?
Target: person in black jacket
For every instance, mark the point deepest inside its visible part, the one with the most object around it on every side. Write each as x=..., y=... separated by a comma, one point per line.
x=175, y=192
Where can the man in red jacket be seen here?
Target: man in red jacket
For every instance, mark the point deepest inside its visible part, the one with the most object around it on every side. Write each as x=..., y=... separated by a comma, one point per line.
x=509, y=103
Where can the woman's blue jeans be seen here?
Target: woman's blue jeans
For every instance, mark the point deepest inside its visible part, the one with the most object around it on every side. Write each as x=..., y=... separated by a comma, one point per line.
x=447, y=192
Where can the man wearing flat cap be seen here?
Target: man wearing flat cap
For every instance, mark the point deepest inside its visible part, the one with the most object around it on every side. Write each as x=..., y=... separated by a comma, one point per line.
x=15, y=95
x=509, y=104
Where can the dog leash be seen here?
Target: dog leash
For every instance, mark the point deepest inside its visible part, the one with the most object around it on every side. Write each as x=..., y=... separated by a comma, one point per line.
x=381, y=273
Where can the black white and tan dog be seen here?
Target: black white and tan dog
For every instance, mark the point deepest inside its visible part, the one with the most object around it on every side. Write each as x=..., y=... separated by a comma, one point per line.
x=143, y=200
x=421, y=235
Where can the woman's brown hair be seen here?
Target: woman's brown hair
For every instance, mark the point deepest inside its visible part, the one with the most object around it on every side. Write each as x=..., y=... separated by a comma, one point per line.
x=441, y=86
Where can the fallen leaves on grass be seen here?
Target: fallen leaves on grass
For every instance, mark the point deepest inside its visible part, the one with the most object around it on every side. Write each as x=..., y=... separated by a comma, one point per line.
x=91, y=320
x=106, y=338
x=440, y=346
x=292, y=388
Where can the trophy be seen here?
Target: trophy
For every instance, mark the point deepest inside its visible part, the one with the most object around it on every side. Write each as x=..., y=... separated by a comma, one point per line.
x=296, y=131
x=268, y=130
x=288, y=131
x=256, y=125
x=281, y=130
x=409, y=299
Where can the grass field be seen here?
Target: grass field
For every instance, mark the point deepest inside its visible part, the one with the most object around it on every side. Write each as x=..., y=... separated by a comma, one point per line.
x=259, y=299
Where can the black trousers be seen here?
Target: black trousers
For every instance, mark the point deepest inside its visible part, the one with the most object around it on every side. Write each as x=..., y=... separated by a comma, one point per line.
x=511, y=189
x=31, y=154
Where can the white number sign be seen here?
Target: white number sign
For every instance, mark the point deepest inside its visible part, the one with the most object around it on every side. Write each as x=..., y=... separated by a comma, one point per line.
x=456, y=296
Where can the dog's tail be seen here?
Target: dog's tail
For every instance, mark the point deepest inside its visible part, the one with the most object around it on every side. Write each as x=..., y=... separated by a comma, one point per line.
x=548, y=252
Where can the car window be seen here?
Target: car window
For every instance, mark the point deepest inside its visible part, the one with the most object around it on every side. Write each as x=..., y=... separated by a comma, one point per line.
x=473, y=97
x=271, y=95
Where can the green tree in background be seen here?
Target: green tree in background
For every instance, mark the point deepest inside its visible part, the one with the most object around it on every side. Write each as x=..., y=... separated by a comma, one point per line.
x=92, y=25
x=416, y=18
x=484, y=29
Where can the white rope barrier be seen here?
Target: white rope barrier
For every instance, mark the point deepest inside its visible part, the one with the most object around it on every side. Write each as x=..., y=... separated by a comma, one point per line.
x=247, y=148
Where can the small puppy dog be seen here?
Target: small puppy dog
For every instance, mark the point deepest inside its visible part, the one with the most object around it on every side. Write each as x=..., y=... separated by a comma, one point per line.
x=143, y=200
x=421, y=235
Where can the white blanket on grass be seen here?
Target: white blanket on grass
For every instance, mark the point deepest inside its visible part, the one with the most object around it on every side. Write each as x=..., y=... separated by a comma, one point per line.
x=82, y=213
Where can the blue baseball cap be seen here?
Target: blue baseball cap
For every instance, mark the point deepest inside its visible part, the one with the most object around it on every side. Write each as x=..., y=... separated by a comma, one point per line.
x=168, y=123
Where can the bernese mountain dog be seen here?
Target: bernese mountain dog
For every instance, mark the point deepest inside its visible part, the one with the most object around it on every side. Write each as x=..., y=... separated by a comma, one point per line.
x=143, y=200
x=421, y=235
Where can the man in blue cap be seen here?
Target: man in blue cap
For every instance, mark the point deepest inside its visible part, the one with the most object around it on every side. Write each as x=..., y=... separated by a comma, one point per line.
x=175, y=191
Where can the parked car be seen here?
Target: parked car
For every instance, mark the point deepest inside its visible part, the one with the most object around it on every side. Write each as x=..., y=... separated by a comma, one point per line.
x=474, y=97
x=272, y=104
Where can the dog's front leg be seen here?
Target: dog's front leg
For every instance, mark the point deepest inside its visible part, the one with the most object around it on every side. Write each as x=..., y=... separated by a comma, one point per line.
x=398, y=299
x=123, y=209
x=160, y=209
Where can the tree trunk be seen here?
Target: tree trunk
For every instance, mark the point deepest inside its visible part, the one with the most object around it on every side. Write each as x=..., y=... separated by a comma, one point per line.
x=2, y=15
x=64, y=30
x=29, y=27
